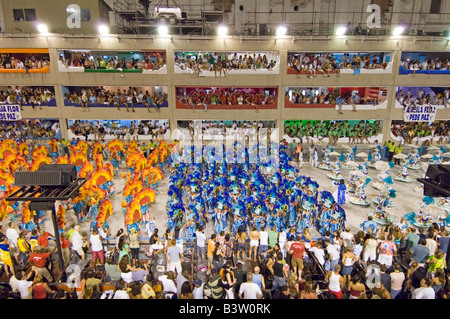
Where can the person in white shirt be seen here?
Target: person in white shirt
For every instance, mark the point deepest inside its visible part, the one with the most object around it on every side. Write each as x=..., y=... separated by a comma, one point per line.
x=77, y=242
x=282, y=239
x=97, y=248
x=12, y=235
x=263, y=240
x=425, y=291
x=249, y=289
x=197, y=292
x=174, y=254
x=23, y=285
x=347, y=238
x=333, y=254
x=121, y=291
x=319, y=253
x=168, y=284
x=201, y=239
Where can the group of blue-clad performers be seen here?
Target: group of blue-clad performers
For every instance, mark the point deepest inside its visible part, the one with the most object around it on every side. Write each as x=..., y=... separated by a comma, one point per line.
x=245, y=187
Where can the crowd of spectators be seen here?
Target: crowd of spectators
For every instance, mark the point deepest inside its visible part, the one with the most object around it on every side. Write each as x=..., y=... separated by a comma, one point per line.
x=356, y=133
x=86, y=59
x=314, y=96
x=439, y=130
x=221, y=64
x=324, y=63
x=425, y=64
x=31, y=95
x=129, y=98
x=227, y=96
x=98, y=131
x=409, y=97
x=24, y=61
x=30, y=130
x=235, y=128
x=407, y=264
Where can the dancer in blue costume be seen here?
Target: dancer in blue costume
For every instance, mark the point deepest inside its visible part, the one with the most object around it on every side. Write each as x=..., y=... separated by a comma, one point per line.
x=324, y=219
x=341, y=194
x=220, y=217
x=175, y=216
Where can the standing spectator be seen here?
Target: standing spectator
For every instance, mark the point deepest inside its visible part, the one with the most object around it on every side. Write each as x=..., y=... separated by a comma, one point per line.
x=210, y=252
x=335, y=282
x=425, y=291
x=443, y=242
x=241, y=238
x=65, y=247
x=436, y=262
x=387, y=250
x=398, y=149
x=385, y=278
x=228, y=248
x=213, y=288
x=250, y=290
x=380, y=291
x=174, y=255
x=278, y=271
x=5, y=256
x=78, y=241
x=431, y=243
x=43, y=239
x=297, y=250
x=39, y=259
x=197, y=292
x=308, y=292
x=201, y=240
x=333, y=255
x=134, y=246
x=370, y=248
x=348, y=261
x=318, y=252
x=263, y=240
x=355, y=287
x=41, y=288
x=411, y=239
x=420, y=252
x=24, y=286
x=98, y=256
x=397, y=279
x=12, y=235
x=347, y=238
x=24, y=247
x=254, y=243
x=258, y=278
x=273, y=237
x=391, y=147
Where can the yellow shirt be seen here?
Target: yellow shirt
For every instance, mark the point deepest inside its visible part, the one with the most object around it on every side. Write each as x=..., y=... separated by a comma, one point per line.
x=211, y=248
x=24, y=246
x=391, y=147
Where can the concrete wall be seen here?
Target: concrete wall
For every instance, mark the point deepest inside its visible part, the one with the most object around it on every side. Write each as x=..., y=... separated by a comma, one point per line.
x=53, y=14
x=171, y=80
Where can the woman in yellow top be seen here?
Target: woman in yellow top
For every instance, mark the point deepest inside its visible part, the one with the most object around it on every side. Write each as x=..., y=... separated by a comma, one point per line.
x=437, y=262
x=5, y=255
x=24, y=247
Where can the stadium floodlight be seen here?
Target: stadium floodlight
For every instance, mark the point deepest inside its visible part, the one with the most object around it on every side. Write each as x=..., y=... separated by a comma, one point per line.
x=398, y=31
x=341, y=31
x=163, y=30
x=281, y=31
x=42, y=28
x=222, y=31
x=103, y=29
